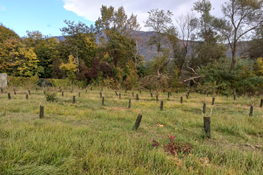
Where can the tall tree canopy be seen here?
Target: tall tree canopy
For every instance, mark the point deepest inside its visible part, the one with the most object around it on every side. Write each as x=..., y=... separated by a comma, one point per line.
x=158, y=21
x=209, y=47
x=241, y=18
x=115, y=30
x=80, y=42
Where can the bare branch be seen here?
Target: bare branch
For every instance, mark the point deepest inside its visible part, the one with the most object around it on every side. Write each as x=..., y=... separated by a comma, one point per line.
x=191, y=69
x=192, y=78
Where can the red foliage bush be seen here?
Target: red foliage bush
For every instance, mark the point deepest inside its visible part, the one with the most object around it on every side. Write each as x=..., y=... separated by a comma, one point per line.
x=176, y=147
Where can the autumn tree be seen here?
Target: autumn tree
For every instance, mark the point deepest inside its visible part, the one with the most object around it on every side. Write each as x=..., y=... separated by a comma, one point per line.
x=70, y=68
x=159, y=22
x=114, y=28
x=6, y=33
x=80, y=42
x=46, y=49
x=259, y=67
x=9, y=56
x=17, y=59
x=139, y=39
x=9, y=41
x=187, y=25
x=209, y=48
x=27, y=62
x=241, y=18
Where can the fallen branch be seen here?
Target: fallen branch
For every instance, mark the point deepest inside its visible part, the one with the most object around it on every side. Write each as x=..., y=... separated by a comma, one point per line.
x=192, y=78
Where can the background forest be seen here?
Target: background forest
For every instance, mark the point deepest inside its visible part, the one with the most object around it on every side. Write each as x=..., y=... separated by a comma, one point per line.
x=202, y=52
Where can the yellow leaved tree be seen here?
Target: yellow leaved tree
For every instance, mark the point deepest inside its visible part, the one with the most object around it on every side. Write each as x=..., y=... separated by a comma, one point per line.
x=70, y=68
x=28, y=62
x=17, y=59
x=259, y=67
x=9, y=55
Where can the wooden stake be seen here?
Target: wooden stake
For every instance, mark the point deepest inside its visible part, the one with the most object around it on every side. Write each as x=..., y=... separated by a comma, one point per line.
x=204, y=107
x=207, y=126
x=152, y=95
x=41, y=114
x=116, y=93
x=73, y=99
x=156, y=97
x=129, y=106
x=79, y=94
x=119, y=95
x=28, y=92
x=62, y=94
x=2, y=91
x=181, y=99
x=137, y=97
x=234, y=97
x=251, y=111
x=261, y=102
x=132, y=94
x=137, y=123
x=9, y=96
x=27, y=96
x=161, y=105
x=102, y=100
x=213, y=100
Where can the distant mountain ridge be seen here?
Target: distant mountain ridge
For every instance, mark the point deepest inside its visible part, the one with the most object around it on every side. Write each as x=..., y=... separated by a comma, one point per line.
x=60, y=38
x=146, y=51
x=149, y=52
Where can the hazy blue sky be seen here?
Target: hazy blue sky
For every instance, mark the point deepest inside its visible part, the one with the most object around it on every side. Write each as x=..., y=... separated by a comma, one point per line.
x=47, y=16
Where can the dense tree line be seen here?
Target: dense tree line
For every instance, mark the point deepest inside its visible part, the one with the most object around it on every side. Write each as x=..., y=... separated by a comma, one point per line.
x=190, y=52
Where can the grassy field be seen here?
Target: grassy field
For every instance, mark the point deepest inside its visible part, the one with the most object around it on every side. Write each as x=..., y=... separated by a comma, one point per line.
x=88, y=138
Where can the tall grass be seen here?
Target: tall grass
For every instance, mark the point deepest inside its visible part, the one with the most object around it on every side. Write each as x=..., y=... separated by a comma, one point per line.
x=88, y=138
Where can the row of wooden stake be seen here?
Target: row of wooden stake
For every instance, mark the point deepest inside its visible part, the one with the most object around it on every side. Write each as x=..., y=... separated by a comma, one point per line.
x=137, y=98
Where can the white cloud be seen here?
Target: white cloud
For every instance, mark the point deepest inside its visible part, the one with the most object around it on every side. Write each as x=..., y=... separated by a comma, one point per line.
x=2, y=8
x=90, y=10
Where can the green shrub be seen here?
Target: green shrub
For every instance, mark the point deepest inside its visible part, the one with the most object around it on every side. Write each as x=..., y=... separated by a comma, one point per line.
x=51, y=96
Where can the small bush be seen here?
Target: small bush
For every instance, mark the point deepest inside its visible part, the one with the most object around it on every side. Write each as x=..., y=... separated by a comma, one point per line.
x=175, y=147
x=51, y=96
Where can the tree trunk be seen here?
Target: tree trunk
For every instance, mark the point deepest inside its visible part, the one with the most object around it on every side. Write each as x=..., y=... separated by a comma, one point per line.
x=233, y=63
